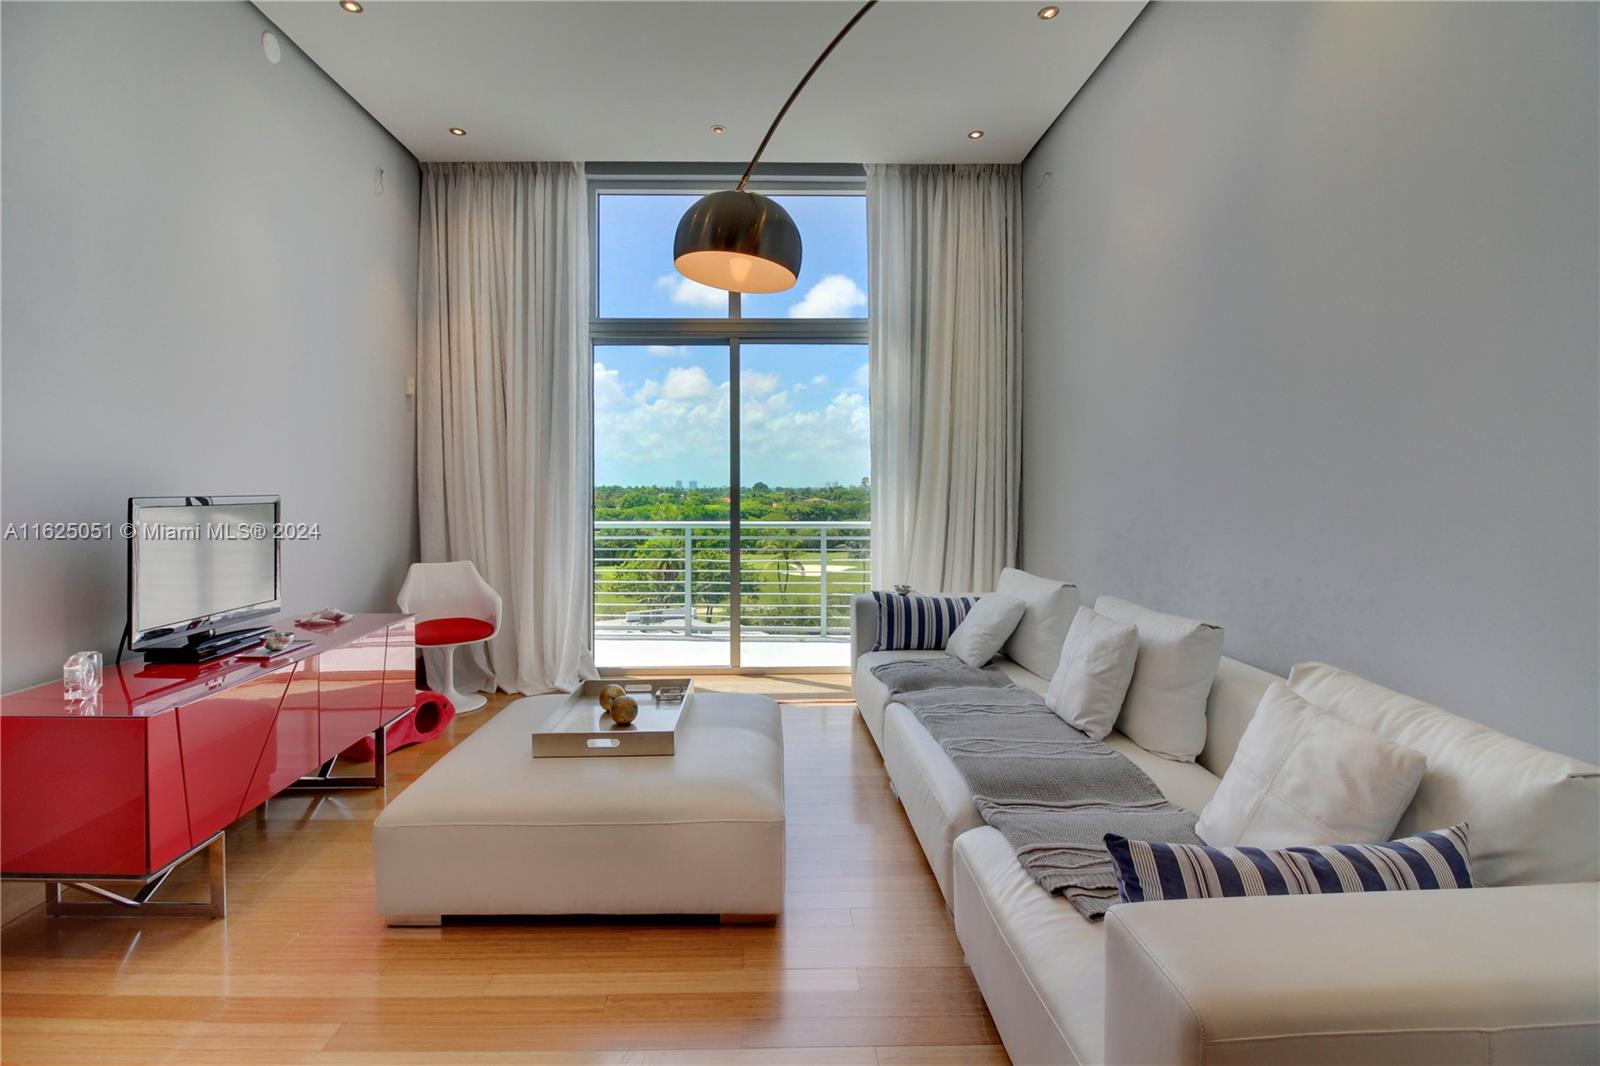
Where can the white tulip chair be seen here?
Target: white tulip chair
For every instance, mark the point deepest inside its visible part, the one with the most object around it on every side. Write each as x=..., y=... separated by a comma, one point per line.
x=454, y=605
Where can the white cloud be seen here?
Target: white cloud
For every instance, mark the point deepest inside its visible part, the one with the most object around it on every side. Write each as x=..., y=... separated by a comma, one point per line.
x=692, y=293
x=862, y=376
x=608, y=394
x=835, y=296
x=820, y=379
x=850, y=407
x=836, y=440
x=687, y=383
x=759, y=384
x=672, y=424
x=664, y=349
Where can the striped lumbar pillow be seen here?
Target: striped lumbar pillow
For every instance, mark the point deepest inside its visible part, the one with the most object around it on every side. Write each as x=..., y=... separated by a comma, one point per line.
x=908, y=621
x=1148, y=871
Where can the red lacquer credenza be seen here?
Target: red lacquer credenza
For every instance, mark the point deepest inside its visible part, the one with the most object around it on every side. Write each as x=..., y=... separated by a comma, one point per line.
x=149, y=775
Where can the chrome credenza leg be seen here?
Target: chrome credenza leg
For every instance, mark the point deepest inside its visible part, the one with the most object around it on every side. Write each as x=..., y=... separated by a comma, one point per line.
x=56, y=904
x=324, y=779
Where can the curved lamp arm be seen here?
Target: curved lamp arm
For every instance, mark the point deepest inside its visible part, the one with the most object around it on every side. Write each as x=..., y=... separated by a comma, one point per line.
x=784, y=110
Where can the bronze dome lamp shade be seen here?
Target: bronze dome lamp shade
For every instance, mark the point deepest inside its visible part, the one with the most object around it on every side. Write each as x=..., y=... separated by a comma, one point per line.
x=742, y=241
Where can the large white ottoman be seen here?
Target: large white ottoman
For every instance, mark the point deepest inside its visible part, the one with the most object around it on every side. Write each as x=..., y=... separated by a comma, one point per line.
x=491, y=830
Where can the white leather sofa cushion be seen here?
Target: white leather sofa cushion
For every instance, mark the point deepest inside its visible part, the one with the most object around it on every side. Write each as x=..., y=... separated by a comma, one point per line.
x=1009, y=922
x=1091, y=682
x=939, y=805
x=1021, y=675
x=871, y=694
x=1505, y=975
x=1304, y=776
x=491, y=830
x=1036, y=642
x=1235, y=694
x=1040, y=965
x=1189, y=785
x=1165, y=711
x=1335, y=987
x=1534, y=815
x=935, y=796
x=985, y=628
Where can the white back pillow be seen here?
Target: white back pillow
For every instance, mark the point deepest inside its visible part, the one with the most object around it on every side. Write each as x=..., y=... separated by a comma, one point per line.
x=1304, y=776
x=1533, y=815
x=1035, y=644
x=1165, y=712
x=1096, y=665
x=985, y=628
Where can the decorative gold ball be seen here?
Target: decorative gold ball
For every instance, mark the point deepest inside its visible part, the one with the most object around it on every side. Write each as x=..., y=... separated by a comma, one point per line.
x=610, y=693
x=624, y=709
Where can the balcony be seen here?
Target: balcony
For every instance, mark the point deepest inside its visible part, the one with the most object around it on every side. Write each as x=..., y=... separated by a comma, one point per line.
x=662, y=593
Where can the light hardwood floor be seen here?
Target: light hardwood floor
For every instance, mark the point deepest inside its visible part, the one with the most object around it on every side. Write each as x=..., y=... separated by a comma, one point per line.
x=863, y=968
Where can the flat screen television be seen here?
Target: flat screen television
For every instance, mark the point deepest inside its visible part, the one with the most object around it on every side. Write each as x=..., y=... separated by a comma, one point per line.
x=196, y=566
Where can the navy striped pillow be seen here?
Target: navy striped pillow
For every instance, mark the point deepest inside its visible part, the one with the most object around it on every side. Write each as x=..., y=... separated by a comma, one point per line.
x=914, y=622
x=1150, y=871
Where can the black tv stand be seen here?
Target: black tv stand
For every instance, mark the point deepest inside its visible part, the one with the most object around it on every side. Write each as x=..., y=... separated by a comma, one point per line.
x=203, y=647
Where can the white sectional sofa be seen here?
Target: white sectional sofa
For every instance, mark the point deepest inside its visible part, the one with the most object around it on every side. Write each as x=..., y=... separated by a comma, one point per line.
x=1491, y=975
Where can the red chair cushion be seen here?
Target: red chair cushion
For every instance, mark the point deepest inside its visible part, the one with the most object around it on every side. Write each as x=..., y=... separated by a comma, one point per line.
x=437, y=631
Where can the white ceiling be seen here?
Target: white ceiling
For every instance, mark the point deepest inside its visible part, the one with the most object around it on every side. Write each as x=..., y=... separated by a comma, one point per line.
x=608, y=80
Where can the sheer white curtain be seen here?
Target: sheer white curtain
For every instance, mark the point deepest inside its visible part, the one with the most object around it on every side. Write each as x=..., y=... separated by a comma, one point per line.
x=503, y=407
x=945, y=373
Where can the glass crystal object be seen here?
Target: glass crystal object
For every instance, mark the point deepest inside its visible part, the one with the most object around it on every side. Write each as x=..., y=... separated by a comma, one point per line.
x=81, y=675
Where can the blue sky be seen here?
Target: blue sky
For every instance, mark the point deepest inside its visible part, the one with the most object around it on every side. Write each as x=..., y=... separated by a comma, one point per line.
x=637, y=280
x=662, y=412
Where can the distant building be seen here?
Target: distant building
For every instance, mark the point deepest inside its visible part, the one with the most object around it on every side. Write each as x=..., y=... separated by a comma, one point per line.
x=692, y=484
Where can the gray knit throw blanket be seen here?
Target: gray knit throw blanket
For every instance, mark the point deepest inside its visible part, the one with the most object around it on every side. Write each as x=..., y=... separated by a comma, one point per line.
x=1051, y=791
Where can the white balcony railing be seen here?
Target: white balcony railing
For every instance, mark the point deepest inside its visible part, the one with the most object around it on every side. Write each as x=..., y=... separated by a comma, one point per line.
x=672, y=580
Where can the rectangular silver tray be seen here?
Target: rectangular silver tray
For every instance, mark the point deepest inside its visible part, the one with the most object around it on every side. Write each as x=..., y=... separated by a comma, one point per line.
x=582, y=729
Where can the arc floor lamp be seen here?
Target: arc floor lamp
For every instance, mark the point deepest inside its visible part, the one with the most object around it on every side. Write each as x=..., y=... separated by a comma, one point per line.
x=739, y=240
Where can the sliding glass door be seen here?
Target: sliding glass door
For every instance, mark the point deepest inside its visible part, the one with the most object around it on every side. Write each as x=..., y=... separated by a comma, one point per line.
x=662, y=506
x=805, y=501
x=731, y=498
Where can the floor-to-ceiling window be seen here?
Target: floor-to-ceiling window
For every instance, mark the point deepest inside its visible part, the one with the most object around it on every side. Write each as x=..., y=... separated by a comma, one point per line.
x=731, y=454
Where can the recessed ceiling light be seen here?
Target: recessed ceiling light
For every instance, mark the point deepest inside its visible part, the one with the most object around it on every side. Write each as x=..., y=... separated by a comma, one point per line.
x=457, y=131
x=1048, y=13
x=975, y=135
x=352, y=6
x=719, y=129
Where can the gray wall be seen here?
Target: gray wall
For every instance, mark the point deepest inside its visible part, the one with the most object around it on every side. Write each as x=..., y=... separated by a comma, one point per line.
x=203, y=293
x=1311, y=344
